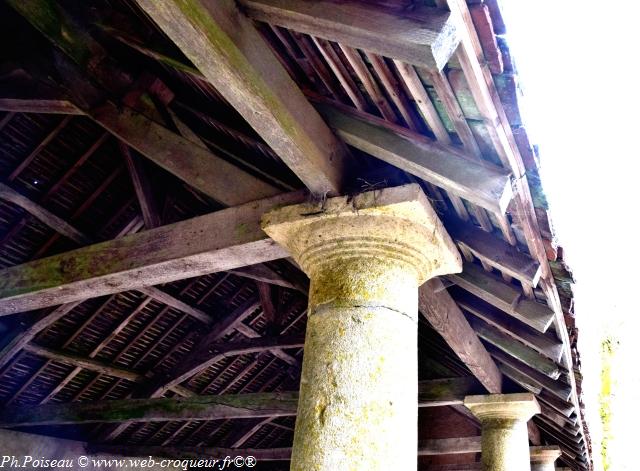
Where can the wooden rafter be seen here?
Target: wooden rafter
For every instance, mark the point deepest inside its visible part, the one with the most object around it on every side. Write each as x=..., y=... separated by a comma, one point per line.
x=229, y=51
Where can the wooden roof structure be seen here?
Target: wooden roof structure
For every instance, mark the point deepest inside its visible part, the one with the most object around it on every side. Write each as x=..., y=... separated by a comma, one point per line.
x=141, y=141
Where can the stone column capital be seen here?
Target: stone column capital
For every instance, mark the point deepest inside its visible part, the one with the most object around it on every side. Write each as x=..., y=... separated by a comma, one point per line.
x=517, y=407
x=393, y=225
x=544, y=457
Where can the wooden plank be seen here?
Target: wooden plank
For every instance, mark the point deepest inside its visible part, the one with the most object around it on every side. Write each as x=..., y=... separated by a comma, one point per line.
x=514, y=348
x=543, y=343
x=485, y=185
x=225, y=46
x=168, y=253
x=175, y=303
x=43, y=215
x=504, y=296
x=264, y=273
x=446, y=318
x=423, y=36
x=195, y=165
x=497, y=253
x=449, y=446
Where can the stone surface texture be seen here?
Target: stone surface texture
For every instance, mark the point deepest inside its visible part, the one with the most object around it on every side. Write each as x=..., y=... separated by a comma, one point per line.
x=543, y=458
x=366, y=257
x=505, y=442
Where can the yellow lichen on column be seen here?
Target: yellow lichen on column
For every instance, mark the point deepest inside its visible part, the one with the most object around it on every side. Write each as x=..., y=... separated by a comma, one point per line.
x=366, y=257
x=505, y=442
x=543, y=458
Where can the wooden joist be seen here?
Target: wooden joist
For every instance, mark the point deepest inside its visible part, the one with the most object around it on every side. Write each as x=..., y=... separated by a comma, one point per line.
x=41, y=106
x=497, y=253
x=43, y=215
x=228, y=50
x=447, y=319
x=424, y=36
x=556, y=387
x=449, y=446
x=482, y=184
x=546, y=344
x=218, y=241
x=514, y=348
x=258, y=405
x=504, y=296
x=447, y=392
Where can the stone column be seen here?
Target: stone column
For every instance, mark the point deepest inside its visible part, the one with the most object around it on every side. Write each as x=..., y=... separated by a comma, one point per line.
x=366, y=257
x=505, y=441
x=543, y=458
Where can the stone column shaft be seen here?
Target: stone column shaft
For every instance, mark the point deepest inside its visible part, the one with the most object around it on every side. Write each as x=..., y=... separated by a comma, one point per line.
x=505, y=441
x=365, y=257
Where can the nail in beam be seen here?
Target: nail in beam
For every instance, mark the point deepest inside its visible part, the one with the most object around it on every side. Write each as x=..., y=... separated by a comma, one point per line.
x=543, y=458
x=505, y=443
x=366, y=257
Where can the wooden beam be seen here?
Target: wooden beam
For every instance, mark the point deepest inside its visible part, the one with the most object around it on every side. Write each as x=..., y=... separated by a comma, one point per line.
x=258, y=405
x=497, y=253
x=513, y=347
x=219, y=241
x=447, y=319
x=43, y=215
x=447, y=392
x=195, y=453
x=264, y=273
x=175, y=303
x=482, y=184
x=195, y=165
x=142, y=187
x=449, y=446
x=423, y=36
x=20, y=337
x=240, y=406
x=191, y=163
x=39, y=106
x=225, y=46
x=546, y=344
x=504, y=296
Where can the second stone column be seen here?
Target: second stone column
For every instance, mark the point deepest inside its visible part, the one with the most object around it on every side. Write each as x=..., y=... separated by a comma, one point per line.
x=366, y=257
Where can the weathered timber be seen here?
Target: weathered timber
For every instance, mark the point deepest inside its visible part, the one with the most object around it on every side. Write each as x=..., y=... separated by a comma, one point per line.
x=42, y=106
x=265, y=274
x=21, y=336
x=449, y=391
x=195, y=453
x=543, y=343
x=43, y=215
x=424, y=36
x=504, y=296
x=514, y=348
x=142, y=187
x=175, y=303
x=195, y=165
x=557, y=388
x=168, y=253
x=447, y=319
x=485, y=185
x=449, y=446
x=240, y=406
x=258, y=405
x=497, y=253
x=225, y=46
